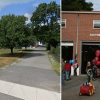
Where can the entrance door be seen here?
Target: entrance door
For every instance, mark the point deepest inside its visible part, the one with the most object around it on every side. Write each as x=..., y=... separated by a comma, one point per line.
x=88, y=53
x=67, y=51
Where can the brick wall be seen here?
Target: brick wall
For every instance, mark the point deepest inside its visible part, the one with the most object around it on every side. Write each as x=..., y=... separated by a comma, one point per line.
x=84, y=22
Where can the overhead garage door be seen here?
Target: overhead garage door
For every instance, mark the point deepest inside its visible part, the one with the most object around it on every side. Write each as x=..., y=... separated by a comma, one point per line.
x=88, y=53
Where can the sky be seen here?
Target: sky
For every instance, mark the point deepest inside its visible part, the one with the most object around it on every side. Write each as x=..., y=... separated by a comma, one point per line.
x=96, y=4
x=26, y=7
x=21, y=7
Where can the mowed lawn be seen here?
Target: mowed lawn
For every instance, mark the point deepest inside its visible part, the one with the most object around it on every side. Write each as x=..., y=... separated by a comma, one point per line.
x=6, y=58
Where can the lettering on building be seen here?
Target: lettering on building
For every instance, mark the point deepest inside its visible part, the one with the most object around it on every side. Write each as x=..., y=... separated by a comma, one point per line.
x=94, y=34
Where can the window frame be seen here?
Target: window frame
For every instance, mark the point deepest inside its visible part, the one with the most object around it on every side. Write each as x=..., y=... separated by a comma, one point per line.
x=94, y=24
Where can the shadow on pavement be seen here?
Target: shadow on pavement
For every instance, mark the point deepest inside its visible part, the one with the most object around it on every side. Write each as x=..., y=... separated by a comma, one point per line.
x=22, y=55
x=12, y=55
x=29, y=55
x=32, y=50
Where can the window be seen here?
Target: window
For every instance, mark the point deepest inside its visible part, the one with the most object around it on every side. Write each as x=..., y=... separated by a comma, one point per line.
x=63, y=23
x=96, y=24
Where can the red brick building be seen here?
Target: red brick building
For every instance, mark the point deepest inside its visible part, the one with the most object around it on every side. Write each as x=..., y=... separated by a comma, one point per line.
x=80, y=34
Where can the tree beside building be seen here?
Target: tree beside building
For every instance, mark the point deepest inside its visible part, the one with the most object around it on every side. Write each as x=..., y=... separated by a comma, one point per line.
x=76, y=5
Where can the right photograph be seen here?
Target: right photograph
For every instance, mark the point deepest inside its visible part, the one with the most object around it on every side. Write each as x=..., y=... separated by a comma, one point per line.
x=80, y=49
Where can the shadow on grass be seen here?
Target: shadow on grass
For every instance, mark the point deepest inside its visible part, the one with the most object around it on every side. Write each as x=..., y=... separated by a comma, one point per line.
x=22, y=55
x=27, y=50
x=32, y=50
x=19, y=55
x=29, y=55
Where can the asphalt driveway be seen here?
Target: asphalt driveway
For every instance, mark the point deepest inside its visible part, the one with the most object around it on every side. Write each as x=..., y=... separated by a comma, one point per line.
x=33, y=70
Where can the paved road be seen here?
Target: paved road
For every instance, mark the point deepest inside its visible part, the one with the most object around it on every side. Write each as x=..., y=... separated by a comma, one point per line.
x=33, y=70
x=7, y=97
x=70, y=90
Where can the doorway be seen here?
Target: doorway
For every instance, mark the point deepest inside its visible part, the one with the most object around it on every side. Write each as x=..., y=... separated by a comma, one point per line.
x=67, y=52
x=88, y=53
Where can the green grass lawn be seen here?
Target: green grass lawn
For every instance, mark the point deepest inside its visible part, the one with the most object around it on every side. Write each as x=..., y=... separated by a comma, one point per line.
x=6, y=51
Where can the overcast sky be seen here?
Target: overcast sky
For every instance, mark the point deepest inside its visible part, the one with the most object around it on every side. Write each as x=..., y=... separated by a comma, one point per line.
x=96, y=4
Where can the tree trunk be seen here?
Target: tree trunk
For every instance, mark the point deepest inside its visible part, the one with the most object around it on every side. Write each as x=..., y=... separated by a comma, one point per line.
x=11, y=50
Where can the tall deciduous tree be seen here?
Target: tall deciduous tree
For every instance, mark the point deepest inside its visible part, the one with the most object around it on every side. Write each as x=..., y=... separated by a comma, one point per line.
x=45, y=22
x=13, y=31
x=28, y=39
x=76, y=5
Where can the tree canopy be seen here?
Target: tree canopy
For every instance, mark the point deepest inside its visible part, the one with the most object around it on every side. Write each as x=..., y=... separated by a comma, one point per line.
x=45, y=26
x=76, y=5
x=45, y=22
x=14, y=32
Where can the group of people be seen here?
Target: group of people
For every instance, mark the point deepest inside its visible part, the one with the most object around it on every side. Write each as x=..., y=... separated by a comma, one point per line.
x=66, y=69
x=91, y=70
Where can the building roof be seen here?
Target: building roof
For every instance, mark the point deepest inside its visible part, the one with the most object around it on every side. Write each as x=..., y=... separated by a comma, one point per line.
x=81, y=12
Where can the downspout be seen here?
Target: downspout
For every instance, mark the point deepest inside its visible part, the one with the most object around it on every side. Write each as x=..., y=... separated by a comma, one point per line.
x=77, y=34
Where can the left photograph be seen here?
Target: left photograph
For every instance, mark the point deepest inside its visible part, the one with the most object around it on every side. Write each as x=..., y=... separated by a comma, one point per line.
x=30, y=50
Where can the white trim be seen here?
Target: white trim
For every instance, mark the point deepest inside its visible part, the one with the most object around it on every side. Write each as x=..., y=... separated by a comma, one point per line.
x=81, y=12
x=67, y=44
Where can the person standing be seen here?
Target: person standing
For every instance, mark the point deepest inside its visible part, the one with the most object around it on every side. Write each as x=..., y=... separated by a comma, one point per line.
x=75, y=66
x=94, y=69
x=89, y=71
x=67, y=69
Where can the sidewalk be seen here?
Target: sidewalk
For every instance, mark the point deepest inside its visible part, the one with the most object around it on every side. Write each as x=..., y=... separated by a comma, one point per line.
x=26, y=92
x=75, y=81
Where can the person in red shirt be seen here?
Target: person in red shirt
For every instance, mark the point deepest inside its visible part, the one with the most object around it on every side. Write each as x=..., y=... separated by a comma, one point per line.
x=67, y=69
